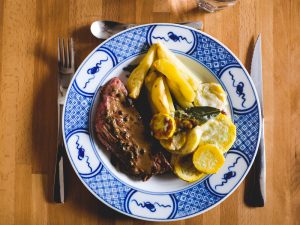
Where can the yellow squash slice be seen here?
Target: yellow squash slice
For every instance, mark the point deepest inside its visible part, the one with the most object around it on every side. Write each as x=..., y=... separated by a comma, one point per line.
x=162, y=126
x=219, y=131
x=185, y=169
x=136, y=78
x=174, y=143
x=208, y=159
x=192, y=141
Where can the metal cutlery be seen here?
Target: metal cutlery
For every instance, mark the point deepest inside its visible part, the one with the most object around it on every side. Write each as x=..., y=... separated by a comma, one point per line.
x=257, y=192
x=66, y=68
x=104, y=29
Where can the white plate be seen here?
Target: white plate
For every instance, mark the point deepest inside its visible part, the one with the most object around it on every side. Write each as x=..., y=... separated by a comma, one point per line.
x=162, y=198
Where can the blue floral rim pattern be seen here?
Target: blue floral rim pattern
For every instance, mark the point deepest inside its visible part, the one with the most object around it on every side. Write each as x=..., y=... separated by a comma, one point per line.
x=90, y=166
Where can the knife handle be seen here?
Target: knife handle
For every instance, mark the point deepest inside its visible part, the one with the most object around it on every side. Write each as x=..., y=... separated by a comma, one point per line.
x=255, y=190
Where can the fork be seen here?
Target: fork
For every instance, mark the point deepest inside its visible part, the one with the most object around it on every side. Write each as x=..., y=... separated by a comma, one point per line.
x=66, y=69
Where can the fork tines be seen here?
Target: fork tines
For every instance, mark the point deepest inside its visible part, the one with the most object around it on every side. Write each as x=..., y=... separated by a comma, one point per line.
x=65, y=55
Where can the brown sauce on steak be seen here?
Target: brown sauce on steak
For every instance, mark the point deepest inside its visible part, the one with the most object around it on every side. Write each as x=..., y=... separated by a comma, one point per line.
x=120, y=129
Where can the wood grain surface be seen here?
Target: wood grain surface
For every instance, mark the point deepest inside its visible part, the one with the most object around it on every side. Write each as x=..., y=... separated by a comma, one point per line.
x=28, y=69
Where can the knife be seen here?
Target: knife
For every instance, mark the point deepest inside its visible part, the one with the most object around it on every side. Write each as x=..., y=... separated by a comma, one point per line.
x=257, y=193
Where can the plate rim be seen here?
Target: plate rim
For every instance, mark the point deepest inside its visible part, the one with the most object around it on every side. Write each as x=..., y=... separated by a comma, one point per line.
x=250, y=163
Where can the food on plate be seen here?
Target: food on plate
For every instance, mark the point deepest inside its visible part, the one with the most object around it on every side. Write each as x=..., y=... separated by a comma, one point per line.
x=188, y=122
x=219, y=131
x=192, y=141
x=161, y=97
x=162, y=126
x=208, y=158
x=136, y=79
x=164, y=53
x=169, y=97
x=120, y=128
x=185, y=169
x=174, y=75
x=178, y=96
x=174, y=143
x=183, y=142
x=210, y=94
x=149, y=80
x=187, y=118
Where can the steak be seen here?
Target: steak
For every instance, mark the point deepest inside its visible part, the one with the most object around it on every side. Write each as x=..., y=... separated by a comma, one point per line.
x=119, y=127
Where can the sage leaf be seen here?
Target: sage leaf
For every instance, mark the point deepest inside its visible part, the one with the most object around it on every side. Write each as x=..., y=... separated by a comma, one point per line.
x=201, y=114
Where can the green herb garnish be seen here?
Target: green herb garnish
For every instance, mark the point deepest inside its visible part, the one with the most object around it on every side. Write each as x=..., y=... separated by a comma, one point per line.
x=201, y=114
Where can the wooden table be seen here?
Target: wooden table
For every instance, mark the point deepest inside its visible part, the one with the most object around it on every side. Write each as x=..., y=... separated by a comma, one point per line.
x=28, y=45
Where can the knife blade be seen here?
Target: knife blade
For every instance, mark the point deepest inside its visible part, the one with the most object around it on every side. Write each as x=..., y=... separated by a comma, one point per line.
x=256, y=71
x=259, y=166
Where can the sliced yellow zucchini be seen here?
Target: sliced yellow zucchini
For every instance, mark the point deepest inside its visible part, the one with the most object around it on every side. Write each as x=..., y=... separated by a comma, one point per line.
x=208, y=159
x=185, y=169
x=162, y=126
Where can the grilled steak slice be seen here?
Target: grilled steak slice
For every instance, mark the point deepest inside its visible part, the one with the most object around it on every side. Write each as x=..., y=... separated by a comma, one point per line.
x=120, y=129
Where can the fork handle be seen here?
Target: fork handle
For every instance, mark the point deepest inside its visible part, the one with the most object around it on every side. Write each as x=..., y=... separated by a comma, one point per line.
x=59, y=187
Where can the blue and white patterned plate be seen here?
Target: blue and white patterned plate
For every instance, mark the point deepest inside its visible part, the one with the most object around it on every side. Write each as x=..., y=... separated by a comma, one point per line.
x=166, y=197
